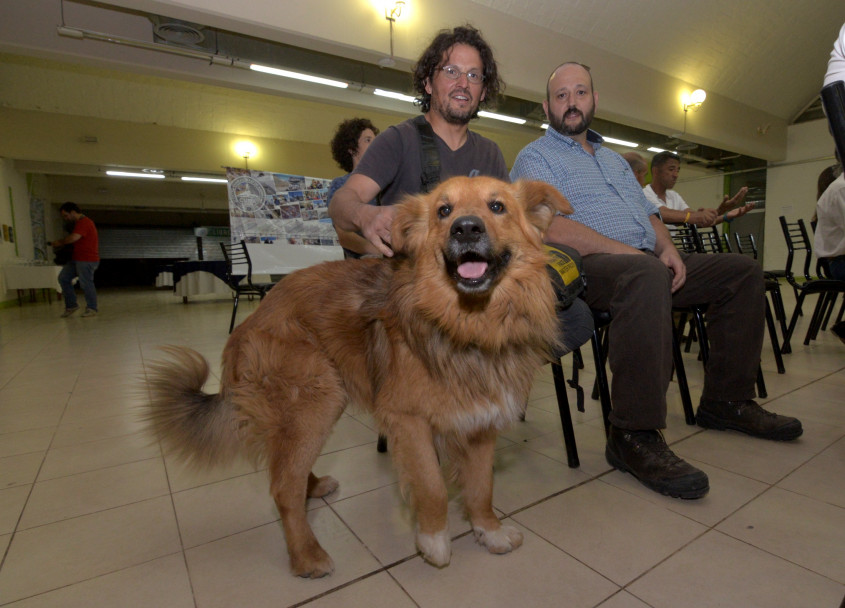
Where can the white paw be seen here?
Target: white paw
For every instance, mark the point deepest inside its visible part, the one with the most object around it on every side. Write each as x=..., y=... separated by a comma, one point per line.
x=503, y=540
x=325, y=486
x=436, y=548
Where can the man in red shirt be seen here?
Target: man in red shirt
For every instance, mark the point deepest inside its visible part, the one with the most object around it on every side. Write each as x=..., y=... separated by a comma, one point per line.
x=86, y=258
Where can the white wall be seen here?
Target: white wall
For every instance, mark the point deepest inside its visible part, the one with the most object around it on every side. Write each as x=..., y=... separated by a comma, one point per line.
x=791, y=185
x=14, y=211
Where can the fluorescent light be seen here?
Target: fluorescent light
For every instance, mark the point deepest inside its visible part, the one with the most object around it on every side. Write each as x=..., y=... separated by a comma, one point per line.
x=132, y=174
x=657, y=150
x=216, y=180
x=394, y=95
x=620, y=142
x=287, y=74
x=494, y=116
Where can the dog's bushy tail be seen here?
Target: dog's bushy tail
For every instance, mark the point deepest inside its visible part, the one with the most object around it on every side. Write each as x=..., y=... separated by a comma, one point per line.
x=196, y=426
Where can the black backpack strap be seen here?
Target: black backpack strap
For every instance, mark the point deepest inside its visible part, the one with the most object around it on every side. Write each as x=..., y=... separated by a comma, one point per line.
x=429, y=157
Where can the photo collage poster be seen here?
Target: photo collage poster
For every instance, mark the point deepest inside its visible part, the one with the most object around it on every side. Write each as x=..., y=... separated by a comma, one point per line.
x=273, y=208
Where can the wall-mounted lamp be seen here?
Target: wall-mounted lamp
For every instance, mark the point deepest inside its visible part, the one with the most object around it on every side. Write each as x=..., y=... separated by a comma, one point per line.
x=391, y=12
x=694, y=100
x=246, y=150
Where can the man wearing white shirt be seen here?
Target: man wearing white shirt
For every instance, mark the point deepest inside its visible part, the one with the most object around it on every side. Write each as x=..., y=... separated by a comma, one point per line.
x=665, y=167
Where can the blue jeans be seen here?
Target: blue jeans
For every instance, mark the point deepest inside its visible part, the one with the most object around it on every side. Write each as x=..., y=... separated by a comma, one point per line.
x=85, y=272
x=836, y=267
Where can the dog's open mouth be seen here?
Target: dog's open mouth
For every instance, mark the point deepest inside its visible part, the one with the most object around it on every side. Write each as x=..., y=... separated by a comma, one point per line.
x=475, y=272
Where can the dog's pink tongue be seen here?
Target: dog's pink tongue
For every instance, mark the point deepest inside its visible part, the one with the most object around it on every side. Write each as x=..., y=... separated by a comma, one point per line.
x=472, y=270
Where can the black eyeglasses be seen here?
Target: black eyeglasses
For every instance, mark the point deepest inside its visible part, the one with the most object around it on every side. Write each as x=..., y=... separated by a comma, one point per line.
x=453, y=73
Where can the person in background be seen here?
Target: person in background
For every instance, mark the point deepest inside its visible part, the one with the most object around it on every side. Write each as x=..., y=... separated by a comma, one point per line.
x=635, y=272
x=665, y=167
x=350, y=141
x=84, y=261
x=638, y=165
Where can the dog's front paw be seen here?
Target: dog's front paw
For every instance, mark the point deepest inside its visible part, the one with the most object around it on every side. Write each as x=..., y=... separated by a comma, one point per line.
x=323, y=487
x=314, y=565
x=436, y=548
x=502, y=540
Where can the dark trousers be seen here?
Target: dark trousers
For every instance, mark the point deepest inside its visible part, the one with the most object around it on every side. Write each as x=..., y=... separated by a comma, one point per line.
x=636, y=291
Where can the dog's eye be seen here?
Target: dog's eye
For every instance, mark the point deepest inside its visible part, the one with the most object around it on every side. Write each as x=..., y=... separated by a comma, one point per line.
x=444, y=211
x=496, y=207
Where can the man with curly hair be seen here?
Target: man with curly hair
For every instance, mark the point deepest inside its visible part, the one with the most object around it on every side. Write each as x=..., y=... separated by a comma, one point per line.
x=454, y=76
x=351, y=139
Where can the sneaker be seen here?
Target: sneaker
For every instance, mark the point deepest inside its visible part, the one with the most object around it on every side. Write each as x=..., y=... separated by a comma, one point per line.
x=69, y=311
x=747, y=417
x=645, y=455
x=89, y=312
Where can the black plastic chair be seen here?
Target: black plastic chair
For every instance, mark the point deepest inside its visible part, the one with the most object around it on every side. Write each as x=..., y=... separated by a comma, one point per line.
x=797, y=240
x=241, y=283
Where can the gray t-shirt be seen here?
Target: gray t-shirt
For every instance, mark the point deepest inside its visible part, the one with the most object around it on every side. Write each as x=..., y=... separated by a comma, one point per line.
x=393, y=160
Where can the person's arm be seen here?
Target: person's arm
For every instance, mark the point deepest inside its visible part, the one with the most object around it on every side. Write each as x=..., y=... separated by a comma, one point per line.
x=701, y=218
x=583, y=238
x=733, y=202
x=349, y=211
x=732, y=215
x=667, y=253
x=69, y=239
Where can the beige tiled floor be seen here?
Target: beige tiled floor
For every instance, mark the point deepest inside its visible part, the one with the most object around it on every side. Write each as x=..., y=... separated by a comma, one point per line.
x=92, y=514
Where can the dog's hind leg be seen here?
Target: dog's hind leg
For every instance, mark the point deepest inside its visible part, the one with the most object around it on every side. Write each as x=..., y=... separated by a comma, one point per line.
x=412, y=448
x=292, y=451
x=474, y=467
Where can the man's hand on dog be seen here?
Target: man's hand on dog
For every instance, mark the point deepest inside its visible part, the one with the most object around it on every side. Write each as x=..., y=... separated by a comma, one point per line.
x=375, y=225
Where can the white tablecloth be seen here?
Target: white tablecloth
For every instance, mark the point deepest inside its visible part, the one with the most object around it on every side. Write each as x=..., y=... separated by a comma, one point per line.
x=199, y=283
x=25, y=276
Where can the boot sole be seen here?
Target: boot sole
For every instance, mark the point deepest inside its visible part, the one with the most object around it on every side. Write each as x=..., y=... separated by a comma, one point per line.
x=690, y=494
x=708, y=421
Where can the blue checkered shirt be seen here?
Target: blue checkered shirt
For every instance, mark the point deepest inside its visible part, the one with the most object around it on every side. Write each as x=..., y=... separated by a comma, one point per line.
x=602, y=189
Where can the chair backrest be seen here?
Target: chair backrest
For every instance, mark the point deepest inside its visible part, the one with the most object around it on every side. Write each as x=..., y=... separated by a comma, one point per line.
x=237, y=256
x=746, y=244
x=686, y=239
x=797, y=239
x=711, y=241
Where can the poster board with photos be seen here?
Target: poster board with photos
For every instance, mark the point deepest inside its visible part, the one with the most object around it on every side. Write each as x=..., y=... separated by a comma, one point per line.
x=283, y=219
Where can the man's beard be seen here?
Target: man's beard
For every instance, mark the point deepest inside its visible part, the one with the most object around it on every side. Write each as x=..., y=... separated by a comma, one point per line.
x=453, y=116
x=558, y=124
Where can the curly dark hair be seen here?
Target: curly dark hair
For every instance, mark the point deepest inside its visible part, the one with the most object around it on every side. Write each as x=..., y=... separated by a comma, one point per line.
x=432, y=59
x=346, y=139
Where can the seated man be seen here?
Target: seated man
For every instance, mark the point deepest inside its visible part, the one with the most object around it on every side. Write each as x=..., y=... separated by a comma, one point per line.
x=634, y=272
x=829, y=240
x=638, y=165
x=665, y=167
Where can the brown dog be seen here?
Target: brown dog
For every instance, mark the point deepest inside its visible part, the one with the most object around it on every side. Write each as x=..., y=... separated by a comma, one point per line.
x=440, y=343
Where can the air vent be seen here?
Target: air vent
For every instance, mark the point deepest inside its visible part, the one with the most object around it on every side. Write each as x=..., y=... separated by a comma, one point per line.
x=178, y=32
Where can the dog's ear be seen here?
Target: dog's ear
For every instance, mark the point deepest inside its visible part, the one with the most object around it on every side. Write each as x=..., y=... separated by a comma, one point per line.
x=541, y=201
x=407, y=234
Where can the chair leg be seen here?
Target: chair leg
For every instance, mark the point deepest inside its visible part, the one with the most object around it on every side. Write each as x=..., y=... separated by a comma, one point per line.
x=680, y=371
x=773, y=335
x=601, y=380
x=234, y=312
x=829, y=306
x=816, y=319
x=605, y=342
x=785, y=346
x=577, y=364
x=703, y=344
x=761, y=384
x=565, y=415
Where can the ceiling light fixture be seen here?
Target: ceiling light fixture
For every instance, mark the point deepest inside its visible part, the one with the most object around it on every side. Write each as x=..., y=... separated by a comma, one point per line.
x=620, y=142
x=391, y=14
x=656, y=150
x=503, y=117
x=694, y=100
x=135, y=174
x=394, y=95
x=215, y=180
x=298, y=76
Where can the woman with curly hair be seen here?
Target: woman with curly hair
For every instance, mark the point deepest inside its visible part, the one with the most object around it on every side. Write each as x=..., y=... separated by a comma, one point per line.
x=350, y=141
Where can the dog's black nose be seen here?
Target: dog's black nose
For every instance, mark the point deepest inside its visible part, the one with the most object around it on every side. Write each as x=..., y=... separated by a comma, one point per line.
x=467, y=229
